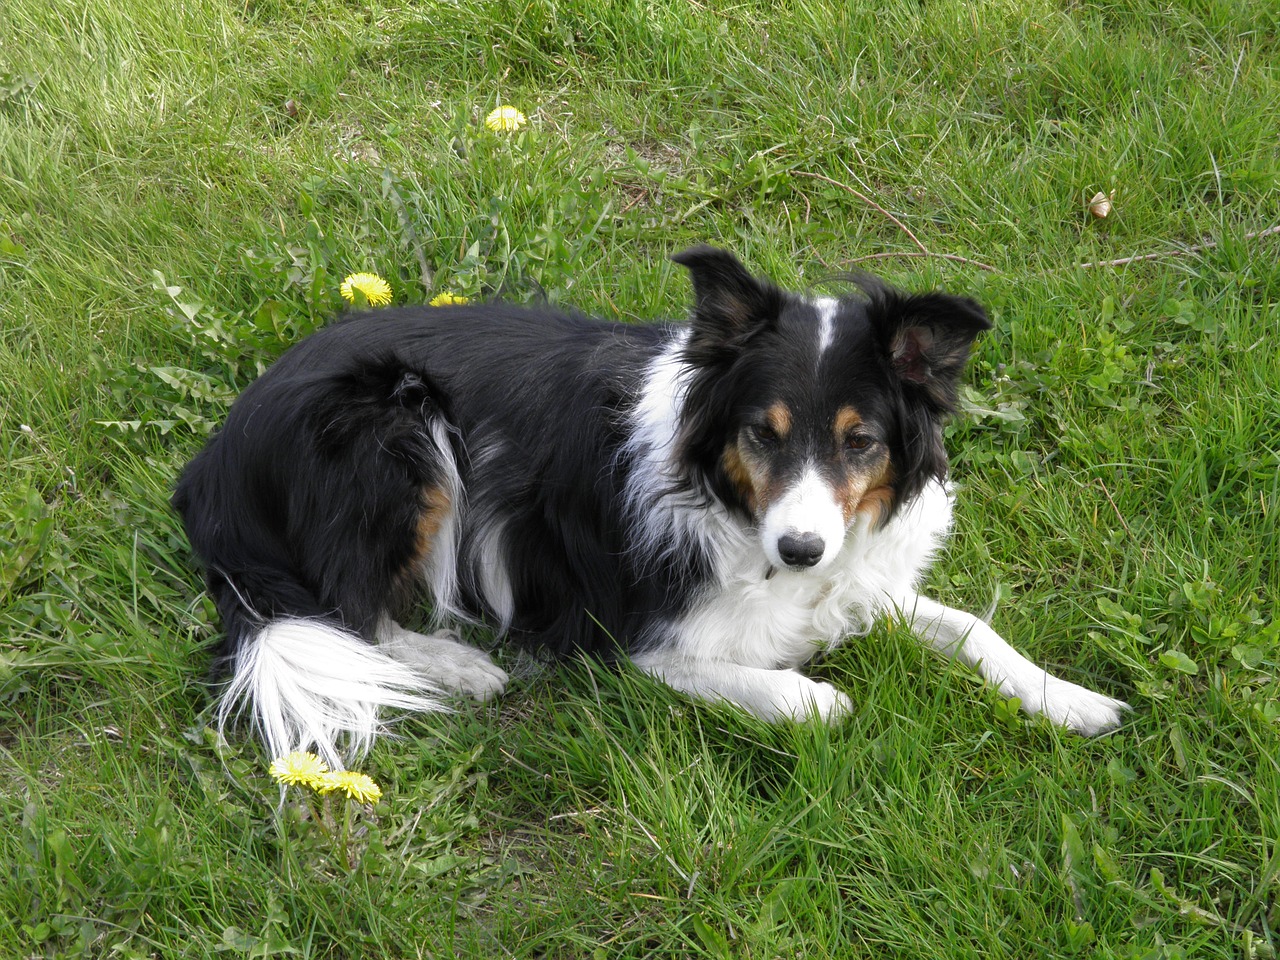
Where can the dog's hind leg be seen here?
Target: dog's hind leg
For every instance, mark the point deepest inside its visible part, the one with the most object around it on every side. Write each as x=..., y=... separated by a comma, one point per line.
x=315, y=524
x=767, y=694
x=444, y=660
x=966, y=638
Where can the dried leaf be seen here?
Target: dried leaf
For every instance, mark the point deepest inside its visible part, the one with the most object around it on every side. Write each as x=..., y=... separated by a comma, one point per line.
x=1100, y=205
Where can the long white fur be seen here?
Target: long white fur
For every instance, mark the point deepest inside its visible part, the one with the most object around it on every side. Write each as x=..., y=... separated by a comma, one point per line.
x=489, y=560
x=784, y=619
x=313, y=686
x=666, y=517
x=441, y=569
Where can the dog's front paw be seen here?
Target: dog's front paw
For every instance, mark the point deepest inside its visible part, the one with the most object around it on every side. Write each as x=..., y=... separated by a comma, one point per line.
x=804, y=699
x=1078, y=708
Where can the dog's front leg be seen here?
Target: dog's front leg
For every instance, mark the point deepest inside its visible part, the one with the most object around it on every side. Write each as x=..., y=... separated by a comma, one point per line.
x=966, y=638
x=767, y=694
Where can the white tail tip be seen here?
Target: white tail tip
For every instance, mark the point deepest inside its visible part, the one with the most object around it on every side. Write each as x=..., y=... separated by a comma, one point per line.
x=312, y=686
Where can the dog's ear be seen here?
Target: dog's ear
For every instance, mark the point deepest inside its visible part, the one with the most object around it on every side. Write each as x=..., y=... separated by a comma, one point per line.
x=927, y=338
x=729, y=304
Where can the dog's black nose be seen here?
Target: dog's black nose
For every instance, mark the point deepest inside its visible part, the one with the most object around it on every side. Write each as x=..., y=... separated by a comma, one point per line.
x=800, y=549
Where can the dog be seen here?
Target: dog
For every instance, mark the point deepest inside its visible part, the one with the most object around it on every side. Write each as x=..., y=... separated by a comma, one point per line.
x=715, y=501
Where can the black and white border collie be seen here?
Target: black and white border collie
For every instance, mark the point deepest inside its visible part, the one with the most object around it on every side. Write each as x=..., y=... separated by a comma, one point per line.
x=715, y=501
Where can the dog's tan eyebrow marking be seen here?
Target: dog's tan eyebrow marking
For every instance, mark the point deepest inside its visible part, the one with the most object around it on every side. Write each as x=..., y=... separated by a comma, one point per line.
x=778, y=416
x=846, y=419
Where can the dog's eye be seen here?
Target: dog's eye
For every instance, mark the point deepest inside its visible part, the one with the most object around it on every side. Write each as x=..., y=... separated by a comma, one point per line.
x=857, y=441
x=763, y=433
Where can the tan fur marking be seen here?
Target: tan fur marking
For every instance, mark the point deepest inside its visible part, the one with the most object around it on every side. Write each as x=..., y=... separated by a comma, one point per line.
x=847, y=419
x=778, y=417
x=877, y=498
x=865, y=488
x=876, y=504
x=435, y=507
x=739, y=474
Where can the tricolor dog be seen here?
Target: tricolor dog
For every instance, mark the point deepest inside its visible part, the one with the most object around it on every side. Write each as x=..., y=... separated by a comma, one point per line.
x=713, y=501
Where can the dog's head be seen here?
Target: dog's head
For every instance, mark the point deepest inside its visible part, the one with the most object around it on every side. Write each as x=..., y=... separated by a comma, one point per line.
x=806, y=414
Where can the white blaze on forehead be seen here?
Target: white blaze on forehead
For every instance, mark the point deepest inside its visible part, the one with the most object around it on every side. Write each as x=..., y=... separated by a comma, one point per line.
x=809, y=506
x=826, y=307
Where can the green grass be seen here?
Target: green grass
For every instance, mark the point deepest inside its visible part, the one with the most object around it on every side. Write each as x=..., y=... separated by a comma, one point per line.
x=1119, y=464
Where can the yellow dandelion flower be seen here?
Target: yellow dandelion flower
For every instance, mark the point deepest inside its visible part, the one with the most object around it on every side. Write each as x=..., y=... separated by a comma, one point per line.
x=357, y=786
x=505, y=119
x=299, y=767
x=448, y=299
x=376, y=291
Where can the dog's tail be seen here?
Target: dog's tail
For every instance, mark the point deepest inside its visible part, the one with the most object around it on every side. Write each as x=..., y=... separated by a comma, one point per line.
x=310, y=685
x=317, y=510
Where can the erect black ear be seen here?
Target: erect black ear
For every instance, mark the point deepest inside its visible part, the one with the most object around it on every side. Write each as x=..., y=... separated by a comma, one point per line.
x=729, y=304
x=927, y=337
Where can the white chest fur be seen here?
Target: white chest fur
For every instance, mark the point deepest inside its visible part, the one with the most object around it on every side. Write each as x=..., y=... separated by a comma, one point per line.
x=749, y=617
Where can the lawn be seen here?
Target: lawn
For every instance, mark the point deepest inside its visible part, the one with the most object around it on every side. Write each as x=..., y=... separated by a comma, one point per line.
x=184, y=185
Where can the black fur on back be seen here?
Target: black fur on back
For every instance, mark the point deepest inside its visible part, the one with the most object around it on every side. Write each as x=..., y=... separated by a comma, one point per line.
x=306, y=502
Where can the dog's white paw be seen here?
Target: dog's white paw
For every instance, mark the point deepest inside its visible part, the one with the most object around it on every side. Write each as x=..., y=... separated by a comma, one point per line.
x=1077, y=708
x=799, y=698
x=448, y=662
x=470, y=671
x=829, y=703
